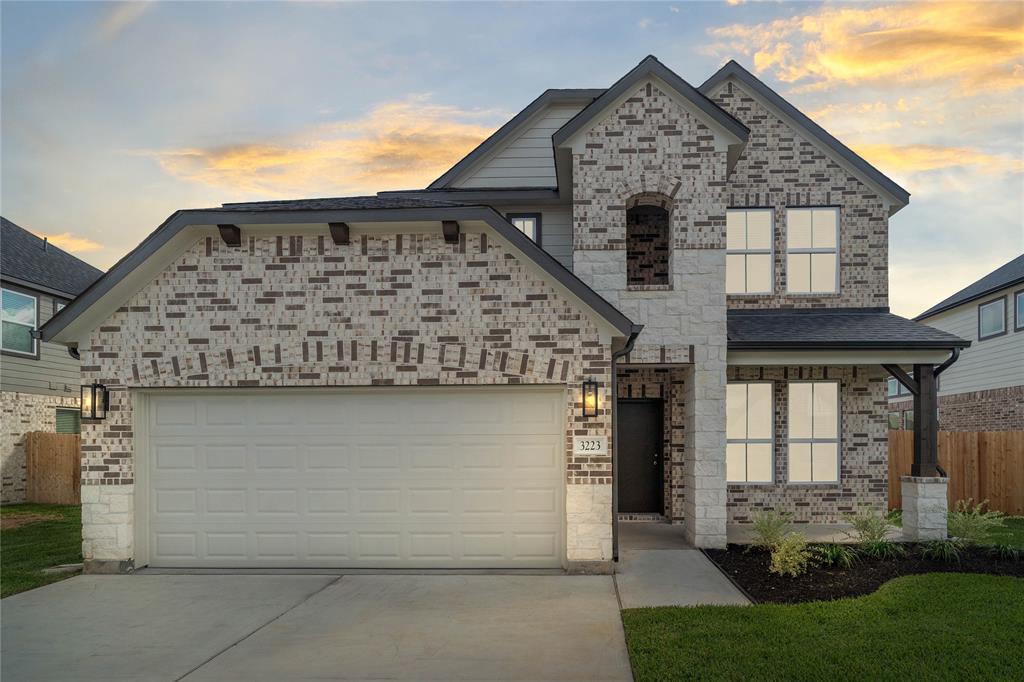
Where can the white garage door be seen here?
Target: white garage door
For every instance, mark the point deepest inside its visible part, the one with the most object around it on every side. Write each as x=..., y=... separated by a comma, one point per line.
x=379, y=478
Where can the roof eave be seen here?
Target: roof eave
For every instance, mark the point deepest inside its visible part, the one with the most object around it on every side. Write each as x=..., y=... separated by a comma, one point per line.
x=847, y=345
x=932, y=312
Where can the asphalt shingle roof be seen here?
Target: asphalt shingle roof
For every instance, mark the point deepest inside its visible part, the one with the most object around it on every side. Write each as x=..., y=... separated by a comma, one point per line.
x=23, y=257
x=340, y=204
x=841, y=328
x=1000, y=278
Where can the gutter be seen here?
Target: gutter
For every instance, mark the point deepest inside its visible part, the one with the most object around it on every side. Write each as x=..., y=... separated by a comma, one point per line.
x=626, y=350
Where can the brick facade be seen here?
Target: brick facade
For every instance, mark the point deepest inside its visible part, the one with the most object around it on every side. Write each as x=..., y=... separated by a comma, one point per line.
x=20, y=414
x=863, y=449
x=298, y=310
x=779, y=168
x=647, y=248
x=994, y=409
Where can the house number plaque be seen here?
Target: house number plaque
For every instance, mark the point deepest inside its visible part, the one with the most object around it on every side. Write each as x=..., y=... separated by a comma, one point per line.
x=590, y=445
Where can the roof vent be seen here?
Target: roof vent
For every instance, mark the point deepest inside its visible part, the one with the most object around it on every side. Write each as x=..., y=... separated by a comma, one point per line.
x=45, y=242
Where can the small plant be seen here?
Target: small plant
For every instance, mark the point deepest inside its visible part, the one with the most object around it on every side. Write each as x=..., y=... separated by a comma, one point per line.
x=791, y=555
x=870, y=528
x=770, y=529
x=843, y=556
x=895, y=517
x=947, y=551
x=971, y=524
x=883, y=549
x=1005, y=552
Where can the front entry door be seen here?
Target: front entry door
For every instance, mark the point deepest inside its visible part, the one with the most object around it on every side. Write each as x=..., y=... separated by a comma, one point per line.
x=640, y=476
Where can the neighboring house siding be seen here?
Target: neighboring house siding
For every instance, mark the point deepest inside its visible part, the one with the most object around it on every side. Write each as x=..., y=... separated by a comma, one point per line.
x=556, y=229
x=779, y=168
x=53, y=373
x=863, y=464
x=992, y=363
x=526, y=160
x=406, y=309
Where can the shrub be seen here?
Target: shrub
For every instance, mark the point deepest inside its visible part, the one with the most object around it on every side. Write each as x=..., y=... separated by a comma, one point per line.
x=882, y=549
x=770, y=529
x=869, y=528
x=791, y=555
x=971, y=524
x=1006, y=552
x=843, y=556
x=947, y=551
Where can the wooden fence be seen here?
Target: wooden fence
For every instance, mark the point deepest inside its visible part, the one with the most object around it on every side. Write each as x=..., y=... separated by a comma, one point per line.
x=53, y=468
x=982, y=465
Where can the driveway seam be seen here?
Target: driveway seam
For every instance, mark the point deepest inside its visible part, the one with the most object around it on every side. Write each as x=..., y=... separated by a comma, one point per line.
x=255, y=630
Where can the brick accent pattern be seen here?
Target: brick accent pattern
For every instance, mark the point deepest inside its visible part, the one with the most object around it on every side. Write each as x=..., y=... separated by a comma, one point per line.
x=20, y=414
x=647, y=251
x=667, y=384
x=863, y=449
x=396, y=309
x=780, y=169
x=994, y=409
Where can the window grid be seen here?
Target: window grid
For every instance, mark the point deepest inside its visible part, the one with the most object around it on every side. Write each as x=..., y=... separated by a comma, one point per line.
x=815, y=440
x=811, y=251
x=527, y=223
x=747, y=441
x=747, y=250
x=13, y=320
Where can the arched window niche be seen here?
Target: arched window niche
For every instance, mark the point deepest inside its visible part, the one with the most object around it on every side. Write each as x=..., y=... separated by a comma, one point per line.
x=648, y=241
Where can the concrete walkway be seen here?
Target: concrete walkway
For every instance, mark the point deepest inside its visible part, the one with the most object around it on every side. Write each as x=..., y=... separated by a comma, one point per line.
x=657, y=568
x=307, y=627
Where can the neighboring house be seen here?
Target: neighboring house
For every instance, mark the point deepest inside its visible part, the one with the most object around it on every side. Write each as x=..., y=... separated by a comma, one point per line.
x=439, y=377
x=39, y=381
x=984, y=390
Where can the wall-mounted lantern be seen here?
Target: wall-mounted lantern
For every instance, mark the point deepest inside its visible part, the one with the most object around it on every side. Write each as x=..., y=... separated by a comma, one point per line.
x=95, y=401
x=589, y=398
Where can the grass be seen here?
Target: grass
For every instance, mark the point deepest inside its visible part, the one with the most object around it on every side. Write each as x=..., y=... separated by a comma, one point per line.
x=1012, y=533
x=948, y=626
x=25, y=551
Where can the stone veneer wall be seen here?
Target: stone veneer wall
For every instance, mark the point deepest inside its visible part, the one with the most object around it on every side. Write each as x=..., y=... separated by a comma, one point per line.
x=399, y=309
x=667, y=384
x=994, y=409
x=864, y=449
x=652, y=147
x=779, y=169
x=20, y=414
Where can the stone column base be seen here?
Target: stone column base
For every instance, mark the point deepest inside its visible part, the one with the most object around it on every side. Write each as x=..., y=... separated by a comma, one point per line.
x=924, y=508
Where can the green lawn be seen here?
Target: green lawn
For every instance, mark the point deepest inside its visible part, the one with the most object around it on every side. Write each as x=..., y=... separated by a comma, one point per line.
x=1012, y=533
x=26, y=550
x=926, y=627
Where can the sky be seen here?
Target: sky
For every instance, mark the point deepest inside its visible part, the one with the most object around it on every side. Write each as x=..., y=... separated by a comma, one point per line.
x=114, y=115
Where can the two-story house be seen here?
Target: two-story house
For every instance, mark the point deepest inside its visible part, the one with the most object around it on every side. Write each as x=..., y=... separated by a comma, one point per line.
x=39, y=381
x=984, y=391
x=651, y=300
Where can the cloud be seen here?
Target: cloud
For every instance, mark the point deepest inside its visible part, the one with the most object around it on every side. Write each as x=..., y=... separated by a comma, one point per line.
x=977, y=46
x=395, y=145
x=120, y=17
x=919, y=158
x=71, y=243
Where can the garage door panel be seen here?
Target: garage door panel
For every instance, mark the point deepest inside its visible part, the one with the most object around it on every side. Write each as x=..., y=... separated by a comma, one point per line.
x=448, y=479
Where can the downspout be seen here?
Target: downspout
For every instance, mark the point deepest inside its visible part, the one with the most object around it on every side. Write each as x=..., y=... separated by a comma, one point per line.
x=626, y=350
x=939, y=370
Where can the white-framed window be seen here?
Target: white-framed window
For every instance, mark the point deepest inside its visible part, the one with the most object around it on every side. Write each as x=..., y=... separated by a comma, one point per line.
x=814, y=432
x=527, y=223
x=749, y=252
x=812, y=250
x=1018, y=311
x=749, y=429
x=18, y=321
x=992, y=319
x=895, y=389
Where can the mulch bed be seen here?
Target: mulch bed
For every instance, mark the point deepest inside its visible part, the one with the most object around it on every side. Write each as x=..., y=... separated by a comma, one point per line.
x=749, y=570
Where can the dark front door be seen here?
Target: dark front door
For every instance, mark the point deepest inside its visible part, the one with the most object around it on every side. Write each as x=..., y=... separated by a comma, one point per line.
x=640, y=476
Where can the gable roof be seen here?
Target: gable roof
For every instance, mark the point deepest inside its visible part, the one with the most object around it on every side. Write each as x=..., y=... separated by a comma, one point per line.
x=323, y=211
x=546, y=99
x=733, y=70
x=650, y=66
x=27, y=260
x=833, y=329
x=1002, y=277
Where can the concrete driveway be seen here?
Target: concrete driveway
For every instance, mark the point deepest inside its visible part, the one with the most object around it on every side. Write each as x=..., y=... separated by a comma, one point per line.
x=305, y=627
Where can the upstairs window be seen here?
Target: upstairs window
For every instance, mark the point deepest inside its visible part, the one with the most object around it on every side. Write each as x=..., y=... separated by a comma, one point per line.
x=749, y=432
x=992, y=319
x=1018, y=308
x=814, y=432
x=812, y=250
x=647, y=246
x=527, y=223
x=748, y=243
x=18, y=320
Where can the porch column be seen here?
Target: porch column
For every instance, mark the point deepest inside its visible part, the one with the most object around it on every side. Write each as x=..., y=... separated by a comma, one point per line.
x=926, y=423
